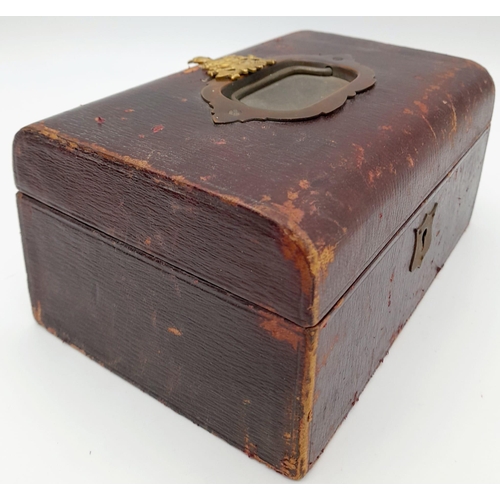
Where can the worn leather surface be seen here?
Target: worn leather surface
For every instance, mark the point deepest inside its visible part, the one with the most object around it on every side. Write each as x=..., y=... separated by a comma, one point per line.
x=269, y=387
x=284, y=215
x=355, y=337
x=230, y=367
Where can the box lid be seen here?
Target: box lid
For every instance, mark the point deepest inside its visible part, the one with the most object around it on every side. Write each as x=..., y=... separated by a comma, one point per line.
x=285, y=215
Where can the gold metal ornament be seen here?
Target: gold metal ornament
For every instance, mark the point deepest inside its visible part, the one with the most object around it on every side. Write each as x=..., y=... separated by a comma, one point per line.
x=231, y=66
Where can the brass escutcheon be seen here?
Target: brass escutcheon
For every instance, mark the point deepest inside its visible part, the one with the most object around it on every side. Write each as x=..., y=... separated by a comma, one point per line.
x=423, y=239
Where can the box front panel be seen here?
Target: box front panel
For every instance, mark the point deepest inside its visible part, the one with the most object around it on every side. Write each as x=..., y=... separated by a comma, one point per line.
x=357, y=334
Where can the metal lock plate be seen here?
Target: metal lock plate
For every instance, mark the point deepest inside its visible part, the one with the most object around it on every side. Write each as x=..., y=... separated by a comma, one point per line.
x=423, y=239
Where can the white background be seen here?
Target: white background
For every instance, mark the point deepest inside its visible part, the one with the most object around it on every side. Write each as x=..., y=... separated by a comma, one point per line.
x=431, y=413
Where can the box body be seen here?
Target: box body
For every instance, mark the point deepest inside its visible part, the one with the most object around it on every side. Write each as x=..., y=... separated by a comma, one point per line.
x=251, y=276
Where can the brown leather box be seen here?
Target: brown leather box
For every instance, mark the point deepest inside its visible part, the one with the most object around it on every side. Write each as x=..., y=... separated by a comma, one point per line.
x=246, y=251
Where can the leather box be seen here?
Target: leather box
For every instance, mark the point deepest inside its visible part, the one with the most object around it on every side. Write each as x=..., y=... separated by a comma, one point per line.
x=246, y=250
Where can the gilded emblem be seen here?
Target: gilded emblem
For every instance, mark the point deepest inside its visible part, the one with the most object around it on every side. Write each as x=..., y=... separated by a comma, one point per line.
x=231, y=66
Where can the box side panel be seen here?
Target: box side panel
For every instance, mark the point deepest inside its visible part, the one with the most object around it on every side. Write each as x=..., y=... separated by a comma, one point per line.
x=226, y=365
x=358, y=333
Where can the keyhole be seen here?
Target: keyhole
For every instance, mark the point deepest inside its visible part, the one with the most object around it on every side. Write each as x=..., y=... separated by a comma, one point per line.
x=424, y=235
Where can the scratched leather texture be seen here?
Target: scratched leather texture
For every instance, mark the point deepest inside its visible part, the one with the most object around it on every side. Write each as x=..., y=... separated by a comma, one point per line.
x=269, y=387
x=355, y=337
x=234, y=369
x=284, y=215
